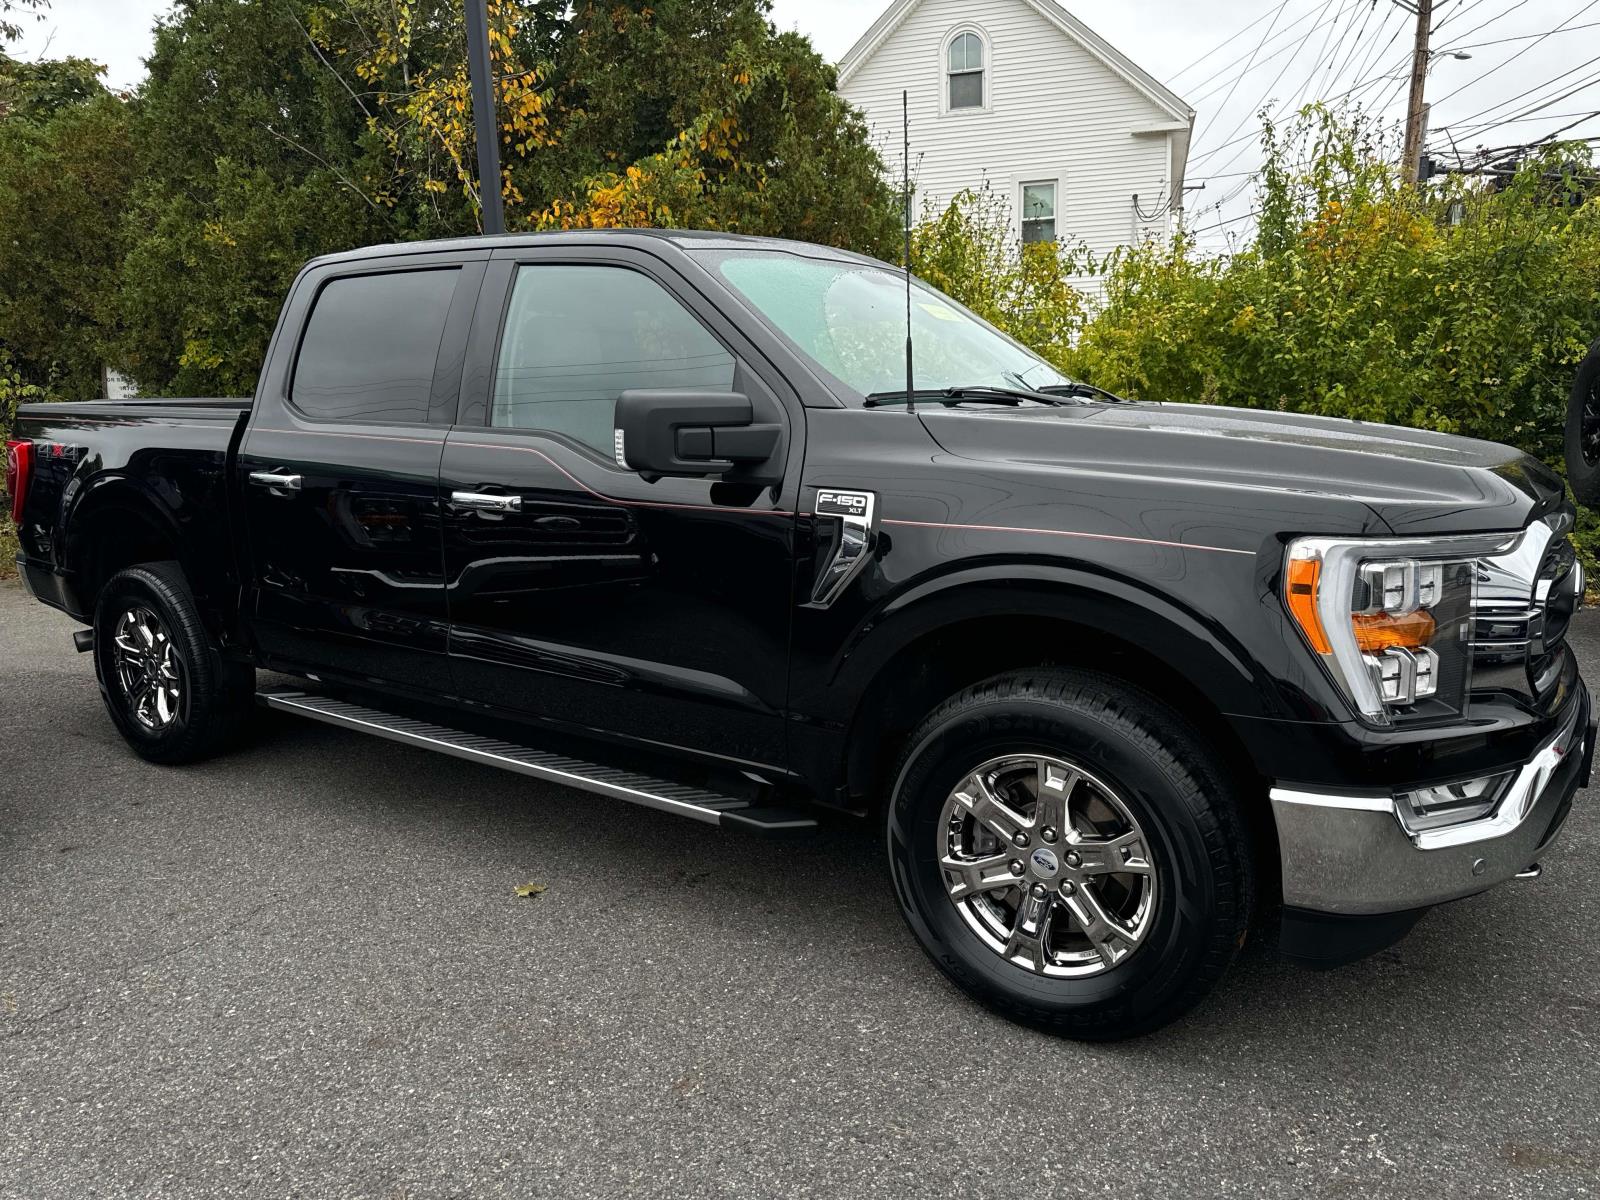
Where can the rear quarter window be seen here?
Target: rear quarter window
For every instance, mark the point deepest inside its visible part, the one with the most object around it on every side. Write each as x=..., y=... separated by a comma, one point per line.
x=371, y=345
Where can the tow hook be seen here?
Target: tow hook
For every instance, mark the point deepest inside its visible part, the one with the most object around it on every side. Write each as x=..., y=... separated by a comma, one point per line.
x=83, y=640
x=1532, y=872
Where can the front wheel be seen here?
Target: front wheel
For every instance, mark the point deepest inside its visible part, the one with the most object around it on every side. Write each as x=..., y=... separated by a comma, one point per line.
x=1068, y=852
x=169, y=691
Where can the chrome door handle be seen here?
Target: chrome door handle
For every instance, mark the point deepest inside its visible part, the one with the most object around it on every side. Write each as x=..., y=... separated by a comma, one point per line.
x=271, y=479
x=486, y=502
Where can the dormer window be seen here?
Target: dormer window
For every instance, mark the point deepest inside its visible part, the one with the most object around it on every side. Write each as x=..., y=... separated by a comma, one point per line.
x=966, y=71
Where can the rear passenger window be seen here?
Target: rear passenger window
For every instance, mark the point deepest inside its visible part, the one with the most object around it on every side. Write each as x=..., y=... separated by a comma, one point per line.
x=370, y=347
x=577, y=337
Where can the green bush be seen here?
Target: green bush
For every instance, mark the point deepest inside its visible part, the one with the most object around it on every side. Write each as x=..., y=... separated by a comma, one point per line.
x=8, y=547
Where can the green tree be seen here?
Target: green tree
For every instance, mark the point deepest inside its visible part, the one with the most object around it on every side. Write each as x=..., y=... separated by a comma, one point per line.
x=65, y=171
x=251, y=158
x=269, y=133
x=741, y=123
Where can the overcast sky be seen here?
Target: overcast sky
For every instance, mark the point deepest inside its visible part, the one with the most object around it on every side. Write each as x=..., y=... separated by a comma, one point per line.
x=1255, y=51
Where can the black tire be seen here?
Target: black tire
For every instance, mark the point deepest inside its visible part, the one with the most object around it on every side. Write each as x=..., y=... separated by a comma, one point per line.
x=1167, y=779
x=1583, y=467
x=215, y=696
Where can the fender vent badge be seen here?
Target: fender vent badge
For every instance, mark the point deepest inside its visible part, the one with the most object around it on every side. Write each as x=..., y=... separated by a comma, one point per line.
x=852, y=543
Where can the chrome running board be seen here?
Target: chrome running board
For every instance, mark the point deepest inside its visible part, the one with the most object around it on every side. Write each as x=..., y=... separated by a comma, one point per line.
x=695, y=803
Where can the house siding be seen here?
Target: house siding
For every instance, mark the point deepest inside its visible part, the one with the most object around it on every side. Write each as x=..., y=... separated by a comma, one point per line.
x=1055, y=111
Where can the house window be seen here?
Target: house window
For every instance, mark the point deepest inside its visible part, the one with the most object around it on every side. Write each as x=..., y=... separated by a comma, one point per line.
x=1038, y=212
x=966, y=71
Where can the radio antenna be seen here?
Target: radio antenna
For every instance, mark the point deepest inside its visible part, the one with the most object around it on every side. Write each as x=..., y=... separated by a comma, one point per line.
x=905, y=167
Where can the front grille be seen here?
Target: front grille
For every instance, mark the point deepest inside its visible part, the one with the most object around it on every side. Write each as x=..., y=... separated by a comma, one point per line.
x=1522, y=604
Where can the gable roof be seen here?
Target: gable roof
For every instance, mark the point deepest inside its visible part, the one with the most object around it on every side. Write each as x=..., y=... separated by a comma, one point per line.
x=1140, y=79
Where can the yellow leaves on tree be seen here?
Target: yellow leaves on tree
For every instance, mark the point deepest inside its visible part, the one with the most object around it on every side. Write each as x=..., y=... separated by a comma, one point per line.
x=674, y=187
x=423, y=115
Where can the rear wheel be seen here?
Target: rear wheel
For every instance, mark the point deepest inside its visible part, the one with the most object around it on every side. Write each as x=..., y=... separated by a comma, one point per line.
x=169, y=691
x=1069, y=853
x=1583, y=431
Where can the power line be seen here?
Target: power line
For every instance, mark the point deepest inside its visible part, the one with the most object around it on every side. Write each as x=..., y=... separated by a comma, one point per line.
x=1520, y=53
x=1366, y=83
x=1459, y=128
x=1326, y=56
x=1246, y=71
x=1503, y=105
x=1336, y=71
x=1294, y=44
x=1327, y=4
x=1522, y=37
x=1460, y=12
x=1585, y=85
x=1220, y=45
x=1498, y=16
x=1374, y=52
x=1265, y=38
x=1230, y=221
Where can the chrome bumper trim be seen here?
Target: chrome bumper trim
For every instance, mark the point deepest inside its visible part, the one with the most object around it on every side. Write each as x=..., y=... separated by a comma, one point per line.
x=1350, y=854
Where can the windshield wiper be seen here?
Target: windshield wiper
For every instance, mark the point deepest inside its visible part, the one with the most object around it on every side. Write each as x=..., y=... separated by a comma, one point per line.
x=978, y=394
x=1085, y=391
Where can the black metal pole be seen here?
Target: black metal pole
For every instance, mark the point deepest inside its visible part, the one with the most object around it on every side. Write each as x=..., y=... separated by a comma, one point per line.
x=483, y=117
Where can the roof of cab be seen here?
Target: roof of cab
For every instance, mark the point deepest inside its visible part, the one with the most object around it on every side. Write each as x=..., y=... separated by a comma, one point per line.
x=680, y=239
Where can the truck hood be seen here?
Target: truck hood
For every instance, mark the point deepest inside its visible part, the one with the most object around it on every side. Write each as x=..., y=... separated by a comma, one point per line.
x=1415, y=481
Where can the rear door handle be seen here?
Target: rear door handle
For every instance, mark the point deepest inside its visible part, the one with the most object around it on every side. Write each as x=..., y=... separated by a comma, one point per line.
x=270, y=479
x=486, y=502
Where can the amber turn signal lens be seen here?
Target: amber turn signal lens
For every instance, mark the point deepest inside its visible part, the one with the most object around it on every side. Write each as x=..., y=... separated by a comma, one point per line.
x=1304, y=574
x=1385, y=631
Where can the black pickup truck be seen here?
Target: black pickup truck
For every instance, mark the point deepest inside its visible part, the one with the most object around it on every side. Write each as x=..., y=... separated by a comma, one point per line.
x=654, y=515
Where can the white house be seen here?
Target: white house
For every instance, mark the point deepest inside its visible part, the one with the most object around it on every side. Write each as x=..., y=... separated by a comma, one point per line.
x=1020, y=94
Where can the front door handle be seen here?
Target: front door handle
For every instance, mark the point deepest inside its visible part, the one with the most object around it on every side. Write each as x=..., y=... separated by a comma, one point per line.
x=275, y=481
x=486, y=502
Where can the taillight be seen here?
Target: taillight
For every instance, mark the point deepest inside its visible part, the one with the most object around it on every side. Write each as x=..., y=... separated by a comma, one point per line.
x=19, y=466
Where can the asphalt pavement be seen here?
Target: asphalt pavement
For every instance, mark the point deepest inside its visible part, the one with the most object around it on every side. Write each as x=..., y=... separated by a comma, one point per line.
x=302, y=970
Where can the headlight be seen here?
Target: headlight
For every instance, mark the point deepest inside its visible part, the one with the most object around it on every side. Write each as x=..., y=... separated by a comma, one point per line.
x=1391, y=621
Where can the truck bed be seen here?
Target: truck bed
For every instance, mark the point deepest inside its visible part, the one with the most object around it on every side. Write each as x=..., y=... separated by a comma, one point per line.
x=155, y=470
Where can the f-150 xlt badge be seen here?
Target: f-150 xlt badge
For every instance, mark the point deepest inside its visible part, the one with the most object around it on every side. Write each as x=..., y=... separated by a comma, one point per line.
x=832, y=503
x=844, y=521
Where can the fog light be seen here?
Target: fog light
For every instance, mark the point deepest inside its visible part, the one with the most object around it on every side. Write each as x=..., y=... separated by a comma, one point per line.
x=1450, y=803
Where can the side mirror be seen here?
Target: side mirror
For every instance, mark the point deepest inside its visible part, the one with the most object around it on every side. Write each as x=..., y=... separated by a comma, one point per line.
x=695, y=435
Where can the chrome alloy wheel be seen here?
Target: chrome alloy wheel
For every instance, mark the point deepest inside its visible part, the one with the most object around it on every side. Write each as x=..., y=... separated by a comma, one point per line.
x=149, y=670
x=1047, y=865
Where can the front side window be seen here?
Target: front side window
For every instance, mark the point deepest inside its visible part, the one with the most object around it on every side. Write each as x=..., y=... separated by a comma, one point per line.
x=577, y=337
x=966, y=71
x=1038, y=212
x=849, y=318
x=371, y=345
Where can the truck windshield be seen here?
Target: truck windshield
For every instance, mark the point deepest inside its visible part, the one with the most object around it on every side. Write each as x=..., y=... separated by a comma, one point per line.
x=849, y=318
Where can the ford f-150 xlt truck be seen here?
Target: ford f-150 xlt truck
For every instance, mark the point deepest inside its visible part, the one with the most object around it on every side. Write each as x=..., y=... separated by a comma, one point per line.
x=655, y=515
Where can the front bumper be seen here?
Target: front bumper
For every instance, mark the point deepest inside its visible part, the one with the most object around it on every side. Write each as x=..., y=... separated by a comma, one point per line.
x=1348, y=854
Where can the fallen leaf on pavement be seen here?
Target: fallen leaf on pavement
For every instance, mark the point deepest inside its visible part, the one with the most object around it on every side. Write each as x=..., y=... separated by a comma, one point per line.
x=530, y=889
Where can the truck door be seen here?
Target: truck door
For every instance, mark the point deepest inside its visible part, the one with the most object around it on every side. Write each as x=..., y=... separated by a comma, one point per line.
x=580, y=593
x=338, y=474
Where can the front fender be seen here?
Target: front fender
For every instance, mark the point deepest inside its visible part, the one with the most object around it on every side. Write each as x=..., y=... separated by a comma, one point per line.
x=1198, y=646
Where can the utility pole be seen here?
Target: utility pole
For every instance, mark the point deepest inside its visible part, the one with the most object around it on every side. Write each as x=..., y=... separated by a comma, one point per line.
x=1411, y=163
x=483, y=117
